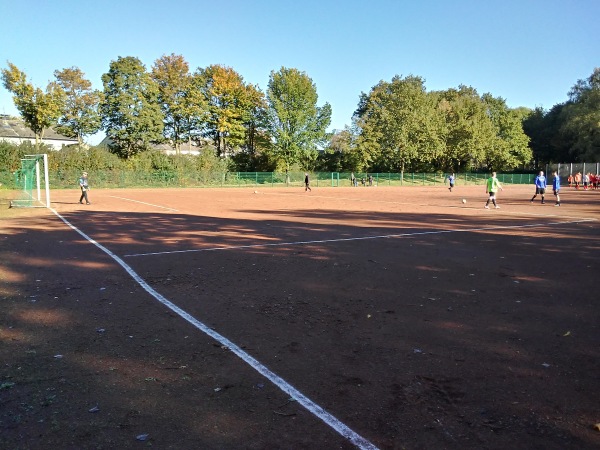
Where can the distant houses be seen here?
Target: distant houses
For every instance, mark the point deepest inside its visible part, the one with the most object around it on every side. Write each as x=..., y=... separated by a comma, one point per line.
x=188, y=148
x=14, y=130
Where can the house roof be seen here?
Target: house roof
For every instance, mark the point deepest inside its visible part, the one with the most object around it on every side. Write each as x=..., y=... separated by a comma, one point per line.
x=13, y=127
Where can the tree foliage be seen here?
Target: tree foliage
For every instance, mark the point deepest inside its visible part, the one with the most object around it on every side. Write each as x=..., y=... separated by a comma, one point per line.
x=131, y=114
x=39, y=109
x=465, y=131
x=181, y=103
x=397, y=121
x=581, y=118
x=398, y=125
x=569, y=131
x=296, y=124
x=227, y=102
x=509, y=145
x=404, y=126
x=80, y=115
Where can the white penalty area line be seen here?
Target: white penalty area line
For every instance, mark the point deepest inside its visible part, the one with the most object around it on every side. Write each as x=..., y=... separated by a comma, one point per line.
x=283, y=385
x=360, y=238
x=144, y=203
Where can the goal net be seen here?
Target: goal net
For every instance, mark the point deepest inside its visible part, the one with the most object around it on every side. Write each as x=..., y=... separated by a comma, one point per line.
x=31, y=181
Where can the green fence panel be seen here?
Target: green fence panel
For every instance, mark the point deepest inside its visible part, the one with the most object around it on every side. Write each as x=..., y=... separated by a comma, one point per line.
x=61, y=179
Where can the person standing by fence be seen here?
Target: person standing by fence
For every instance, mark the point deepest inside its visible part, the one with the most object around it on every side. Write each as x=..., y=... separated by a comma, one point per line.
x=577, y=180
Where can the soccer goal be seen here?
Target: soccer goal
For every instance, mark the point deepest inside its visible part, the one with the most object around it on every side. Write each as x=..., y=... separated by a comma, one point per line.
x=30, y=180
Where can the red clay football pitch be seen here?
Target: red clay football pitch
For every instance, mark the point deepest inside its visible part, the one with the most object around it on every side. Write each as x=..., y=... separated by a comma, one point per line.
x=267, y=318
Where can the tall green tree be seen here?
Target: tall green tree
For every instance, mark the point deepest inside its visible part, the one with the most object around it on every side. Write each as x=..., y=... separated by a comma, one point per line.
x=581, y=118
x=256, y=120
x=400, y=118
x=80, y=115
x=338, y=150
x=39, y=109
x=546, y=140
x=509, y=147
x=131, y=113
x=296, y=124
x=254, y=152
x=181, y=104
x=466, y=130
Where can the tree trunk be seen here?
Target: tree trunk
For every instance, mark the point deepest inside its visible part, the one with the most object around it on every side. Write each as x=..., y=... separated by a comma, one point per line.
x=402, y=172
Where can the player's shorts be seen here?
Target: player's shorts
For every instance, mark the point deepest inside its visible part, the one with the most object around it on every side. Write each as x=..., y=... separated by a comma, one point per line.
x=555, y=191
x=541, y=191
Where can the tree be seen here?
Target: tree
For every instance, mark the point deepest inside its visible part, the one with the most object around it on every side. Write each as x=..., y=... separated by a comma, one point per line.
x=80, y=116
x=131, y=114
x=581, y=118
x=181, y=105
x=296, y=124
x=337, y=151
x=466, y=131
x=40, y=110
x=254, y=154
x=226, y=97
x=509, y=147
x=256, y=120
x=399, y=118
x=547, y=142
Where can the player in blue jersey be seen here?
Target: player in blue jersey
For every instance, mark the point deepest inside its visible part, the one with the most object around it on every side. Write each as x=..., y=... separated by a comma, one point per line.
x=451, y=181
x=540, y=186
x=556, y=187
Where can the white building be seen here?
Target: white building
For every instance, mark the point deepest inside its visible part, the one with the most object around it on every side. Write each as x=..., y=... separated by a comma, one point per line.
x=14, y=130
x=188, y=148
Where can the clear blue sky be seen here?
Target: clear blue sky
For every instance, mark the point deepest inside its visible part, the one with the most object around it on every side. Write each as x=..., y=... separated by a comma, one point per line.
x=529, y=52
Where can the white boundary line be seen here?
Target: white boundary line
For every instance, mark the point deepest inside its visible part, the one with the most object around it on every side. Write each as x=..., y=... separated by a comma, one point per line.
x=283, y=385
x=362, y=238
x=144, y=203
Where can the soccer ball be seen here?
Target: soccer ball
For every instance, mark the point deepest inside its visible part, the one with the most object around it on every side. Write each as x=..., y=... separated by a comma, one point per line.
x=464, y=200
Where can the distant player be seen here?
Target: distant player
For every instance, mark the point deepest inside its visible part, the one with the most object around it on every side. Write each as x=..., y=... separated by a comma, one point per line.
x=83, y=185
x=540, y=186
x=307, y=183
x=491, y=187
x=451, y=181
x=577, y=180
x=556, y=188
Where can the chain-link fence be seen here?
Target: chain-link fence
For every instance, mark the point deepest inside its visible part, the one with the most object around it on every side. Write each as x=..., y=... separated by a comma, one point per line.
x=181, y=178
x=566, y=169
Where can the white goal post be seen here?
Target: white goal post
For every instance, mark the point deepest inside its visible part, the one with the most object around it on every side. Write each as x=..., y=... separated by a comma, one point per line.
x=30, y=182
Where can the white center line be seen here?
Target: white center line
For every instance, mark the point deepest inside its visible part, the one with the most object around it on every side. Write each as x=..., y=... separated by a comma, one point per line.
x=360, y=238
x=144, y=203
